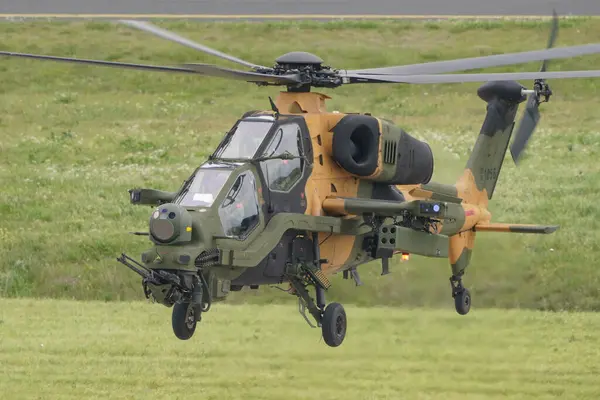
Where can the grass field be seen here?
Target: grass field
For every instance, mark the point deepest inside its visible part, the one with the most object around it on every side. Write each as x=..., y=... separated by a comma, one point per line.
x=53, y=349
x=73, y=139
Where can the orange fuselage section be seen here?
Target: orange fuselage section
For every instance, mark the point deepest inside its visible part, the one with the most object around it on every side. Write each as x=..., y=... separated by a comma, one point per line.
x=329, y=179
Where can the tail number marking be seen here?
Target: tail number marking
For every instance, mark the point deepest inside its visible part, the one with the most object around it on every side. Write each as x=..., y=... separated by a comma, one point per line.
x=488, y=174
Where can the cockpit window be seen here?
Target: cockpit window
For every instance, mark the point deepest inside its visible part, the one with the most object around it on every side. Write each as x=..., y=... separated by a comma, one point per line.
x=282, y=175
x=204, y=188
x=244, y=140
x=239, y=210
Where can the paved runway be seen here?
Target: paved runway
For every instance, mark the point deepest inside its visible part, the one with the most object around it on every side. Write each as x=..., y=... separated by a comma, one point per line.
x=281, y=9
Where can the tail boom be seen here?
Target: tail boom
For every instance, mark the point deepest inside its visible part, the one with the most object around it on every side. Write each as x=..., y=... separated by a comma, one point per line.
x=477, y=184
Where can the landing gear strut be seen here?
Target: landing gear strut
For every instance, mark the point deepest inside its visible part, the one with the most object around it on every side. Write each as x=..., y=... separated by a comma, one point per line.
x=331, y=319
x=461, y=295
x=188, y=312
x=303, y=273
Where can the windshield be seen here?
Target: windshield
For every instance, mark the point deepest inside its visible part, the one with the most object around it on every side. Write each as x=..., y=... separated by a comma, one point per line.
x=205, y=187
x=244, y=140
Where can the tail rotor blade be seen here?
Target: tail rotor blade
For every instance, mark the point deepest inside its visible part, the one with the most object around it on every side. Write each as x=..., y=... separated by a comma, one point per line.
x=527, y=126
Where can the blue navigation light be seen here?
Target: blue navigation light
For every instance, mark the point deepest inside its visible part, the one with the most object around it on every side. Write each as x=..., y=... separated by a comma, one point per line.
x=436, y=207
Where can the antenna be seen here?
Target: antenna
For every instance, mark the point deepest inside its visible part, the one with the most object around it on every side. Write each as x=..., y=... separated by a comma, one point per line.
x=274, y=107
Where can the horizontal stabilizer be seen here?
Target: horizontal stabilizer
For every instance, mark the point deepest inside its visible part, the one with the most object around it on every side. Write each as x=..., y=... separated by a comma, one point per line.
x=517, y=228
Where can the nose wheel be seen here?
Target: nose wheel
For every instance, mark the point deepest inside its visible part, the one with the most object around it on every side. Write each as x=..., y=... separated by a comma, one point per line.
x=184, y=320
x=188, y=312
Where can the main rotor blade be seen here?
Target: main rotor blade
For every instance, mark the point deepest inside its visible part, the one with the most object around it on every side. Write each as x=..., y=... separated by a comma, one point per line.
x=213, y=70
x=552, y=38
x=526, y=128
x=462, y=78
x=150, y=28
x=463, y=64
x=146, y=67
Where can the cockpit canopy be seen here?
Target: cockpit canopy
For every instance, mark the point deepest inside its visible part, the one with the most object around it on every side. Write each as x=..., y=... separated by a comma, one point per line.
x=245, y=138
x=238, y=210
x=257, y=149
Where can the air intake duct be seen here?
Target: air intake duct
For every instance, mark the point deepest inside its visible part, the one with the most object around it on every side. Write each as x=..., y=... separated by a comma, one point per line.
x=379, y=151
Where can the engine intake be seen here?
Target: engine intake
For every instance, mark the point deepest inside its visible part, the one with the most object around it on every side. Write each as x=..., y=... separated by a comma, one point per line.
x=379, y=151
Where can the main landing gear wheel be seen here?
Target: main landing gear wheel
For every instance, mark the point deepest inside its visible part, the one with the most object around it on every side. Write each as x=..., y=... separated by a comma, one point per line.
x=462, y=301
x=184, y=320
x=334, y=324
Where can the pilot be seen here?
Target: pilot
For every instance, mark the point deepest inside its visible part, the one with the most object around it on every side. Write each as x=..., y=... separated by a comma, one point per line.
x=235, y=215
x=284, y=173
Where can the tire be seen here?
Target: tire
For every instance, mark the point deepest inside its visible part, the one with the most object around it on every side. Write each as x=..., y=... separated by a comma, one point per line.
x=462, y=302
x=183, y=315
x=334, y=324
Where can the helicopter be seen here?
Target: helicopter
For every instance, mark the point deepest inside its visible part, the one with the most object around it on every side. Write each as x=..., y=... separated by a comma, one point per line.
x=294, y=194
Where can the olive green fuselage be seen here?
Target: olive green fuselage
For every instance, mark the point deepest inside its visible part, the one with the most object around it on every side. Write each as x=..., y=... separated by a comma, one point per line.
x=280, y=214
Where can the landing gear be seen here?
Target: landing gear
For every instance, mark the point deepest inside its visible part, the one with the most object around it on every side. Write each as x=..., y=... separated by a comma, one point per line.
x=331, y=319
x=461, y=295
x=462, y=302
x=186, y=314
x=188, y=311
x=307, y=272
x=333, y=324
x=184, y=320
x=188, y=293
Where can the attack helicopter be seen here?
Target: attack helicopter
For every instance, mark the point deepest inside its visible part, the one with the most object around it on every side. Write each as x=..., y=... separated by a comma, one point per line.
x=294, y=194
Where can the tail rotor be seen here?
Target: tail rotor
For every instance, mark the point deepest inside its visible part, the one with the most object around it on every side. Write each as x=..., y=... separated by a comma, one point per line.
x=540, y=94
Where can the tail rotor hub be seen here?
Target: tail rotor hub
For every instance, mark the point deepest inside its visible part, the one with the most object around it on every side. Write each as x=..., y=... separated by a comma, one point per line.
x=542, y=89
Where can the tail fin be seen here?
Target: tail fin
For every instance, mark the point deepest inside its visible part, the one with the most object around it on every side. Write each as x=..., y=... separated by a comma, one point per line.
x=477, y=184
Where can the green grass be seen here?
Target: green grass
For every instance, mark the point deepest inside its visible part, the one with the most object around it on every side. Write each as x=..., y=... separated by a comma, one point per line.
x=73, y=139
x=53, y=349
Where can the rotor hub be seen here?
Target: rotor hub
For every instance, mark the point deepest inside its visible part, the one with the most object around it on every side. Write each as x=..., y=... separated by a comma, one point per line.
x=299, y=58
x=310, y=69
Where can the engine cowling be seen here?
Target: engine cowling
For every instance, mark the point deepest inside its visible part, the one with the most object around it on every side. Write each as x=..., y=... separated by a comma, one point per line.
x=377, y=150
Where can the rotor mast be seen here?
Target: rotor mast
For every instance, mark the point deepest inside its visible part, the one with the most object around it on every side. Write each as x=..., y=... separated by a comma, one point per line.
x=301, y=102
x=298, y=98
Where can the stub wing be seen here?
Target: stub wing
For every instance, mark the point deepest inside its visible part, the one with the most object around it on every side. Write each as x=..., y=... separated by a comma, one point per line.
x=516, y=228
